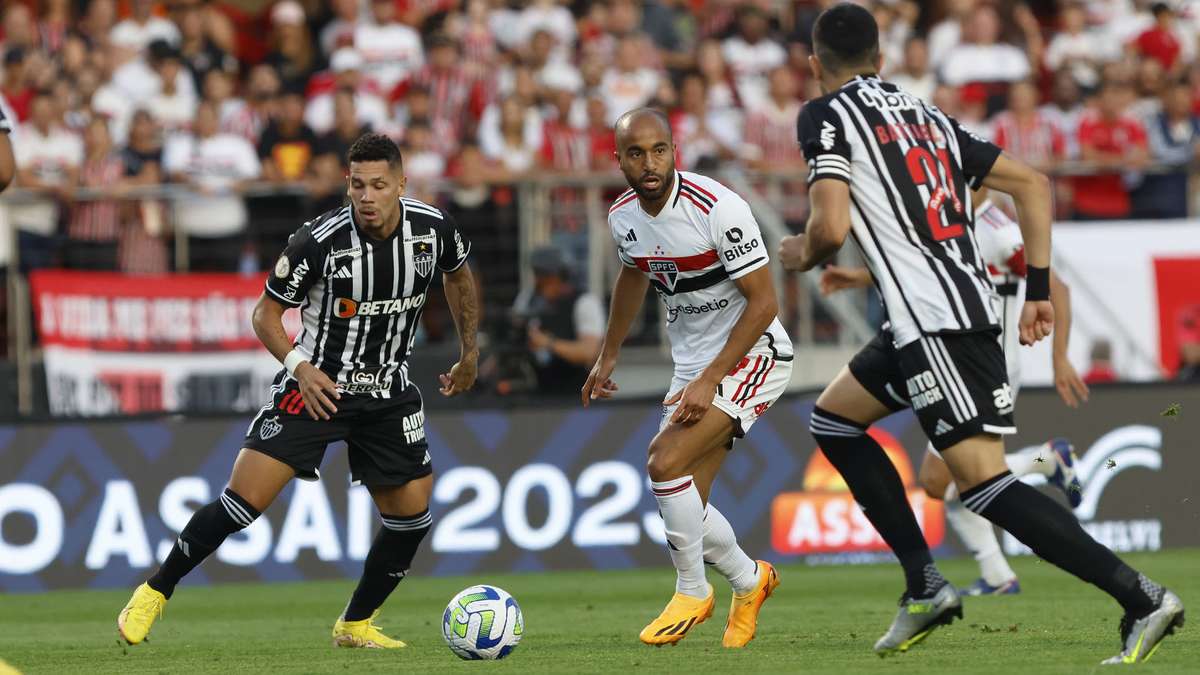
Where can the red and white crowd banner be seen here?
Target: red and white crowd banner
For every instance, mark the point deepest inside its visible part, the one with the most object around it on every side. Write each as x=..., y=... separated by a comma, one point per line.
x=119, y=344
x=1134, y=284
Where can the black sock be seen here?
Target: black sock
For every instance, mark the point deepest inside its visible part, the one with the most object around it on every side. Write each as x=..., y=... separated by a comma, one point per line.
x=1055, y=535
x=876, y=486
x=204, y=533
x=387, y=562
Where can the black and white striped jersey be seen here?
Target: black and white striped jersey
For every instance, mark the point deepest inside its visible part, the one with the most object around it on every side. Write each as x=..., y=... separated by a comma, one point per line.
x=361, y=299
x=910, y=168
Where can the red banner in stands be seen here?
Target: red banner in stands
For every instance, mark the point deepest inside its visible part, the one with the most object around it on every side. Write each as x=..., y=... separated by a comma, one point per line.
x=170, y=313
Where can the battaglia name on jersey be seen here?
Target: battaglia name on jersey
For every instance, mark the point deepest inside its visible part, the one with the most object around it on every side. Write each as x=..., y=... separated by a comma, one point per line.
x=346, y=308
x=710, y=306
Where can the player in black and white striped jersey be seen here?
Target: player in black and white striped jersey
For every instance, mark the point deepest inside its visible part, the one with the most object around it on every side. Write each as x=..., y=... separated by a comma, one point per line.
x=359, y=275
x=892, y=171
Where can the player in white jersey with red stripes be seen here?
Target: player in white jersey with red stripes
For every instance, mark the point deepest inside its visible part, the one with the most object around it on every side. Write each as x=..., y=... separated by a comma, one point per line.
x=1003, y=250
x=697, y=243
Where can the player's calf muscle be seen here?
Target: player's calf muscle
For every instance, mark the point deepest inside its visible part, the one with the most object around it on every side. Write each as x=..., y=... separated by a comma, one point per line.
x=934, y=477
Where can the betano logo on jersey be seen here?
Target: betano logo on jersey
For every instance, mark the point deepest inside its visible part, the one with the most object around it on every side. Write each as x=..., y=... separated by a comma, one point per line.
x=824, y=518
x=346, y=308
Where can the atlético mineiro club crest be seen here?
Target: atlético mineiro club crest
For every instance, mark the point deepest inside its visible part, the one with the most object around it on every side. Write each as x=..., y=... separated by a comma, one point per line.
x=666, y=272
x=423, y=259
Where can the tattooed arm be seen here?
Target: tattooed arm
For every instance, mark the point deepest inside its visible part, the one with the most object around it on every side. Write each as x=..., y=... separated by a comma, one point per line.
x=463, y=300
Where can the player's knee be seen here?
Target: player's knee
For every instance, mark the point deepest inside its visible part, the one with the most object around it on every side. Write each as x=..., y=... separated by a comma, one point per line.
x=833, y=432
x=934, y=477
x=662, y=464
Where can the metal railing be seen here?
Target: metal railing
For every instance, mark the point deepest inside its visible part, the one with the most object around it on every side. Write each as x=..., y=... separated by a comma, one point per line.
x=568, y=210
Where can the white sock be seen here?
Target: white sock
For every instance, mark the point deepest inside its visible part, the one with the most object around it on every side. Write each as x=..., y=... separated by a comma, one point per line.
x=721, y=550
x=683, y=516
x=978, y=535
x=1025, y=463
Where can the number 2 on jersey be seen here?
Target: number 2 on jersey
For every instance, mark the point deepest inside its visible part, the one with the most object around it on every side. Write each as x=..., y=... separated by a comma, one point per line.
x=923, y=168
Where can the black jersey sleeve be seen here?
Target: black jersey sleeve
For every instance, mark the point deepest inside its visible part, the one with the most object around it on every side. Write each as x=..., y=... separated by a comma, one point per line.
x=978, y=155
x=823, y=142
x=298, y=268
x=453, y=244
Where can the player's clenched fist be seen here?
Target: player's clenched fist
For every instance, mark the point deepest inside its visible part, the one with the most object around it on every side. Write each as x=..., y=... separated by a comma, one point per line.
x=791, y=252
x=599, y=383
x=460, y=378
x=317, y=390
x=1037, y=321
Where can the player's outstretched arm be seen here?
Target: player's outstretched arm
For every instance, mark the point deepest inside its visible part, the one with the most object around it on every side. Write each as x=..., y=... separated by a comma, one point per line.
x=835, y=278
x=1031, y=192
x=8, y=165
x=761, y=308
x=828, y=225
x=628, y=293
x=463, y=300
x=1071, y=388
x=317, y=390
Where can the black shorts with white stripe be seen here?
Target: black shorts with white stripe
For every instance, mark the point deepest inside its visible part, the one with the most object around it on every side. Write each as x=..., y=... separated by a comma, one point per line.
x=957, y=384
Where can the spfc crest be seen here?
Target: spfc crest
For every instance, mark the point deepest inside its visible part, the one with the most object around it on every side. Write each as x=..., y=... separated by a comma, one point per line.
x=270, y=428
x=666, y=272
x=423, y=258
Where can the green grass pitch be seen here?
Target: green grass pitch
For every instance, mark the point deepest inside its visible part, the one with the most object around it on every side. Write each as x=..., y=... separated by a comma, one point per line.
x=822, y=620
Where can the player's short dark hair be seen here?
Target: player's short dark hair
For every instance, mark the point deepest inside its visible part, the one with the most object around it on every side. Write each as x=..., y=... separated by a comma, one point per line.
x=372, y=147
x=846, y=36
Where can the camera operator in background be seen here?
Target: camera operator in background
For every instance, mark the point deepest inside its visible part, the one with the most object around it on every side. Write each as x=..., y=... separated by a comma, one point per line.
x=562, y=324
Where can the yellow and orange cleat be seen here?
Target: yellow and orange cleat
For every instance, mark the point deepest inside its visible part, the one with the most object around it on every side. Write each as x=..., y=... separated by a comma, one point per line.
x=743, y=611
x=682, y=614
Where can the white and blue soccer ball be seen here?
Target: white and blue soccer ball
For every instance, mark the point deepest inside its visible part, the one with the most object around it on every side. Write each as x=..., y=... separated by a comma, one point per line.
x=483, y=623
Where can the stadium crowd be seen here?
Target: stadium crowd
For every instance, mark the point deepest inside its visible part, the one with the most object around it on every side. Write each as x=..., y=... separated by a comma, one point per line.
x=241, y=112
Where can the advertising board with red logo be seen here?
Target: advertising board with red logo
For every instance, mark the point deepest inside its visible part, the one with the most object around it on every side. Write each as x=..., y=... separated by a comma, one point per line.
x=119, y=344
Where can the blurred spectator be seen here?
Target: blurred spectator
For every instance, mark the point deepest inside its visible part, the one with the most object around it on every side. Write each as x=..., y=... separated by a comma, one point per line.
x=722, y=89
x=600, y=134
x=98, y=21
x=488, y=216
x=143, y=247
x=1063, y=111
x=16, y=88
x=1159, y=42
x=1077, y=49
x=48, y=159
x=981, y=58
x=1101, y=370
x=1174, y=135
x=173, y=105
x=670, y=26
x=249, y=117
x=457, y=96
x=1025, y=132
x=549, y=16
x=895, y=22
x=391, y=50
x=213, y=166
x=751, y=53
x=628, y=84
x=142, y=156
x=199, y=53
x=771, y=127
x=1150, y=89
x=19, y=28
x=329, y=164
x=1188, y=335
x=141, y=79
x=565, y=146
x=418, y=107
x=914, y=75
x=346, y=66
x=143, y=27
x=563, y=325
x=293, y=53
x=95, y=223
x=339, y=31
x=54, y=24
x=1113, y=143
x=287, y=145
x=511, y=134
x=703, y=136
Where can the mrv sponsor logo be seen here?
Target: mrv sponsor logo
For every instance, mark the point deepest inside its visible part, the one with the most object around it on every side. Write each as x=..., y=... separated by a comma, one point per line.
x=1122, y=449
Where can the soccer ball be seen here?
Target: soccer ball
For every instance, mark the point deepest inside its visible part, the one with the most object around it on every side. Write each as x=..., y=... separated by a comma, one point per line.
x=483, y=622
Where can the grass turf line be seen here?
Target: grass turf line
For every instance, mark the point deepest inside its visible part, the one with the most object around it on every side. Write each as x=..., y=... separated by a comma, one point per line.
x=821, y=620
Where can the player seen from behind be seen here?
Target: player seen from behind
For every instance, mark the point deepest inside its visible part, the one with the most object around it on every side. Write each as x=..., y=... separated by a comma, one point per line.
x=696, y=242
x=894, y=172
x=1003, y=252
x=359, y=275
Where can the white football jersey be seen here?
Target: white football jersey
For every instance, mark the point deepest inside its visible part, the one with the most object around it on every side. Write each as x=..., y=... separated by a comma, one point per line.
x=704, y=238
x=1003, y=251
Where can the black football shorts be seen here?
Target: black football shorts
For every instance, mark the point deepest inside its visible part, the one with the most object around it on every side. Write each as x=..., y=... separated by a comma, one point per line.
x=957, y=384
x=385, y=436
